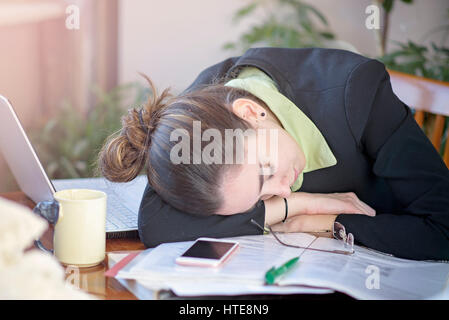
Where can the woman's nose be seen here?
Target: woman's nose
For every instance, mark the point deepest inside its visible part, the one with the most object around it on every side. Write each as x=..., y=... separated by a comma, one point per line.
x=280, y=188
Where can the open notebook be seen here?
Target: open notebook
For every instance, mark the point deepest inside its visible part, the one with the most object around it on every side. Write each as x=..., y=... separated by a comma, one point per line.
x=366, y=274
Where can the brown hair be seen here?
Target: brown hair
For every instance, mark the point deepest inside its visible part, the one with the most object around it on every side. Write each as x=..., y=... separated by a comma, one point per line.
x=144, y=141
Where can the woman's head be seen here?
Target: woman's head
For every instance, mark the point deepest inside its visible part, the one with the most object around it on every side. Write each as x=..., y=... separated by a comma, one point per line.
x=183, y=143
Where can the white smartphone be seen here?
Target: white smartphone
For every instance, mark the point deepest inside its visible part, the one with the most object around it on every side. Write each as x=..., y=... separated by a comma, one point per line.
x=208, y=252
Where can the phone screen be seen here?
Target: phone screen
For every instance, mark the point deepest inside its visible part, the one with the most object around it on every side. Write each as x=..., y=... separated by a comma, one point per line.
x=208, y=249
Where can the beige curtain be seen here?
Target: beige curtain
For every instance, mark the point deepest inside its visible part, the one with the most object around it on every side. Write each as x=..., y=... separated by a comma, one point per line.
x=44, y=63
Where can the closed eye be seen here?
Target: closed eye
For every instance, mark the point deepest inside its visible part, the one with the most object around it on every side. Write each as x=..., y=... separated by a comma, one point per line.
x=264, y=177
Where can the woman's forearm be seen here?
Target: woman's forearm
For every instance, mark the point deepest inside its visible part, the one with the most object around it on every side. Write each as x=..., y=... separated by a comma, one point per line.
x=298, y=218
x=275, y=207
x=307, y=223
x=315, y=211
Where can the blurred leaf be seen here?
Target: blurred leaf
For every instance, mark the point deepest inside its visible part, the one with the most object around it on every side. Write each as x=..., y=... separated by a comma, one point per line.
x=412, y=58
x=306, y=7
x=229, y=46
x=81, y=165
x=69, y=142
x=287, y=23
x=327, y=35
x=79, y=147
x=388, y=5
x=244, y=11
x=68, y=166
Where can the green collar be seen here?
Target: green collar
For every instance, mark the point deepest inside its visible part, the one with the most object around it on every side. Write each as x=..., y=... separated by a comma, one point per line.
x=295, y=122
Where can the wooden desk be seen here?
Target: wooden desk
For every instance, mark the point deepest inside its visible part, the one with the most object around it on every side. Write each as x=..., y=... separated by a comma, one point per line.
x=91, y=280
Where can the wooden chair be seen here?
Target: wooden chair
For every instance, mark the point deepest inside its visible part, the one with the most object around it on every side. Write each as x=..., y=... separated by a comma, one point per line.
x=425, y=95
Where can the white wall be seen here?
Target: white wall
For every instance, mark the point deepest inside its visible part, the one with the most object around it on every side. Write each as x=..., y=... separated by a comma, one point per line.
x=173, y=40
x=347, y=17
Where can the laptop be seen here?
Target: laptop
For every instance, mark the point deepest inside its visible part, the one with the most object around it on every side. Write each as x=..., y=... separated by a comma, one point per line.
x=123, y=199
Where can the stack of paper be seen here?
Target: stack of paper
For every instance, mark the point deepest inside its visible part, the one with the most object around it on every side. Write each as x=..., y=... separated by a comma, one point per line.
x=365, y=274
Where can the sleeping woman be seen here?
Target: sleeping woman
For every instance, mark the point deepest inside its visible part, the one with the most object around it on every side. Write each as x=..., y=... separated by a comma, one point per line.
x=297, y=139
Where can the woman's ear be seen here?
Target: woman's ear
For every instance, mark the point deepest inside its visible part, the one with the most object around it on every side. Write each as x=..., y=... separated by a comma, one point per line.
x=249, y=110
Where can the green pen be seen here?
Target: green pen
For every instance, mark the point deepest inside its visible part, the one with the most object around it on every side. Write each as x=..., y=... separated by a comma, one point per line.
x=274, y=273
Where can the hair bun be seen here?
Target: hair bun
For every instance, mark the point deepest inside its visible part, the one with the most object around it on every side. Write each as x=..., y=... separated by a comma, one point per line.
x=123, y=157
x=119, y=161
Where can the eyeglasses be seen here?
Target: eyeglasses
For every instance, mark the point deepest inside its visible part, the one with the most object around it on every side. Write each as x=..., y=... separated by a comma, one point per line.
x=338, y=232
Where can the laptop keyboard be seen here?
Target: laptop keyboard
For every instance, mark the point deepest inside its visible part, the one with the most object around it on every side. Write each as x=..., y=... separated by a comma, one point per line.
x=119, y=217
x=122, y=202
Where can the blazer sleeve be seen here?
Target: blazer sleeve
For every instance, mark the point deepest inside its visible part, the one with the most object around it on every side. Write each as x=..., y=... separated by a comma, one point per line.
x=158, y=222
x=402, y=155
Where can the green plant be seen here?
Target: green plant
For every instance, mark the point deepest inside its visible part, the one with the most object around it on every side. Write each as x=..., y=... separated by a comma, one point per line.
x=382, y=34
x=68, y=144
x=425, y=61
x=286, y=23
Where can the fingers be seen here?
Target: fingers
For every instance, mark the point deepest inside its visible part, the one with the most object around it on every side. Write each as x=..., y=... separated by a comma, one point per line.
x=361, y=206
x=367, y=209
x=349, y=203
x=334, y=203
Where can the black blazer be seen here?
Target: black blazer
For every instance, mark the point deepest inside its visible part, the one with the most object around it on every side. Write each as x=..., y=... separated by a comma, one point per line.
x=382, y=155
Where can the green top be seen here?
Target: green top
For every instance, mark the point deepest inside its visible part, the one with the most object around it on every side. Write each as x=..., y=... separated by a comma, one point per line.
x=316, y=150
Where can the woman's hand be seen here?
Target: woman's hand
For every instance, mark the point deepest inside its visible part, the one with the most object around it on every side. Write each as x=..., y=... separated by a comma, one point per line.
x=319, y=211
x=303, y=207
x=332, y=203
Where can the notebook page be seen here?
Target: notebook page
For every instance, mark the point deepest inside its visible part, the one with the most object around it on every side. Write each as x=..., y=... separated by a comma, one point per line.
x=255, y=255
x=365, y=275
x=371, y=275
